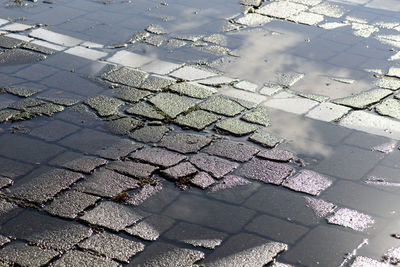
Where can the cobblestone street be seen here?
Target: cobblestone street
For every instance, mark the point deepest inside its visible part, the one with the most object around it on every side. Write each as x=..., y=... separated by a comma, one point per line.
x=199, y=133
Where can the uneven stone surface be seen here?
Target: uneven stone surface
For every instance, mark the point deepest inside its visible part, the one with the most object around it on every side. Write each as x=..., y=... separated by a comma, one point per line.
x=277, y=155
x=364, y=99
x=121, y=126
x=144, y=110
x=320, y=207
x=352, y=219
x=172, y=105
x=24, y=255
x=231, y=150
x=193, y=90
x=215, y=166
x=22, y=92
x=202, y=180
x=151, y=227
x=79, y=258
x=126, y=76
x=85, y=164
x=104, y=105
x=147, y=191
x=183, y=169
x=131, y=168
x=198, y=119
x=266, y=139
x=158, y=156
x=156, y=83
x=131, y=94
x=222, y=105
x=259, y=115
x=150, y=133
x=185, y=142
x=389, y=107
x=308, y=182
x=236, y=127
x=229, y=181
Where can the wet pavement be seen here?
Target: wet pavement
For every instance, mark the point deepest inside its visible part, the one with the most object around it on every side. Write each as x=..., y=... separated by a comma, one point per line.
x=187, y=133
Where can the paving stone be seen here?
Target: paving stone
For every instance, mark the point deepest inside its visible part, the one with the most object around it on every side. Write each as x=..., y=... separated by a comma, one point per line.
x=7, y=210
x=112, y=246
x=247, y=86
x=8, y=42
x=321, y=207
x=233, y=189
x=120, y=149
x=54, y=130
x=270, y=89
x=307, y=18
x=222, y=105
x=20, y=56
x=386, y=147
x=328, y=9
x=216, y=81
x=174, y=44
x=316, y=97
x=162, y=254
x=198, y=119
x=388, y=83
x=215, y=166
x=16, y=27
x=250, y=2
x=229, y=181
x=70, y=204
x=150, y=134
x=191, y=73
x=107, y=183
x=154, y=40
x=231, y=150
x=44, y=187
x=352, y=219
x=265, y=171
x=364, y=99
x=236, y=127
x=104, y=105
x=161, y=67
x=131, y=94
x=266, y=139
x=279, y=264
x=144, y=110
x=389, y=107
x=361, y=261
x=63, y=101
x=158, y=156
x=131, y=168
x=183, y=169
x=255, y=251
x=47, y=45
x=309, y=182
x=22, y=92
x=121, y=126
x=253, y=19
x=156, y=83
x=394, y=72
x=126, y=76
x=24, y=255
x=54, y=37
x=392, y=256
x=171, y=104
x=80, y=258
x=276, y=229
x=4, y=240
x=328, y=112
x=86, y=53
x=151, y=227
x=291, y=103
x=277, y=155
x=193, y=90
x=129, y=59
x=4, y=182
x=85, y=164
x=202, y=180
x=156, y=29
x=146, y=192
x=259, y=115
x=113, y=216
x=281, y=10
x=185, y=142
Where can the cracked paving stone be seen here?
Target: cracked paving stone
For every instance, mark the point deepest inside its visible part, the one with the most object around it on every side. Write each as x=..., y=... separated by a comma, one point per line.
x=157, y=83
x=361, y=261
x=150, y=133
x=256, y=251
x=4, y=182
x=25, y=255
x=154, y=40
x=121, y=126
x=118, y=150
x=202, y=180
x=131, y=94
x=389, y=107
x=84, y=164
x=158, y=156
x=222, y=105
x=19, y=56
x=229, y=181
x=309, y=182
x=277, y=155
x=172, y=105
x=191, y=73
x=328, y=9
x=193, y=90
x=217, y=167
x=364, y=99
x=104, y=105
x=8, y=42
x=144, y=110
x=351, y=219
x=266, y=171
x=320, y=207
x=183, y=169
x=281, y=10
x=195, y=235
x=131, y=168
x=198, y=119
x=156, y=29
x=253, y=19
x=151, y=227
x=44, y=187
x=388, y=83
x=146, y=192
x=126, y=76
x=4, y=240
x=112, y=246
x=113, y=215
x=162, y=255
x=80, y=258
x=236, y=127
x=265, y=139
x=231, y=150
x=22, y=92
x=307, y=18
x=107, y=183
x=259, y=115
x=70, y=204
x=185, y=142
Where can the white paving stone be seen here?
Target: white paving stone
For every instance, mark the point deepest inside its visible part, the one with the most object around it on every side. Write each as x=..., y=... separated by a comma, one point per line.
x=48, y=45
x=161, y=67
x=217, y=80
x=394, y=72
x=20, y=37
x=191, y=73
x=244, y=95
x=296, y=105
x=54, y=37
x=328, y=112
x=270, y=89
x=307, y=18
x=129, y=59
x=3, y=21
x=253, y=19
x=16, y=27
x=281, y=9
x=84, y=52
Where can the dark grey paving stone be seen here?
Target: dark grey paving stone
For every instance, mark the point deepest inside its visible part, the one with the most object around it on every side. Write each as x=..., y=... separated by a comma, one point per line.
x=144, y=110
x=104, y=105
x=364, y=99
x=202, y=180
x=24, y=255
x=44, y=187
x=126, y=76
x=85, y=164
x=185, y=142
x=13, y=169
x=171, y=104
x=107, y=183
x=311, y=251
x=4, y=240
x=321, y=207
x=233, y=189
x=121, y=126
x=54, y=130
x=25, y=104
x=231, y=150
x=119, y=149
x=131, y=94
x=145, y=193
x=46, y=109
x=183, y=169
x=245, y=250
x=365, y=140
x=21, y=92
x=214, y=214
x=266, y=171
x=266, y=139
x=112, y=246
x=277, y=229
x=309, y=182
x=70, y=203
x=277, y=155
x=158, y=156
x=222, y=105
x=131, y=168
x=259, y=115
x=80, y=258
x=151, y=227
x=236, y=127
x=7, y=210
x=389, y=107
x=193, y=90
x=150, y=133
x=196, y=235
x=20, y=56
x=351, y=219
x=8, y=42
x=157, y=83
x=4, y=182
x=162, y=255
x=113, y=215
x=217, y=167
x=198, y=119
